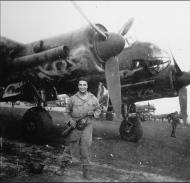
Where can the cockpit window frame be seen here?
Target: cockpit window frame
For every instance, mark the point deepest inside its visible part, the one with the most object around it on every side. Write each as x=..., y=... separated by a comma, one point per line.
x=155, y=68
x=159, y=69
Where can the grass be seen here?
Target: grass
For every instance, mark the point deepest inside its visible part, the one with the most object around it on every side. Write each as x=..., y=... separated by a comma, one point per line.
x=156, y=152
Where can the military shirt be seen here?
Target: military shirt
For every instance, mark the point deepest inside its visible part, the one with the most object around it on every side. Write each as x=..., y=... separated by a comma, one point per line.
x=80, y=107
x=175, y=119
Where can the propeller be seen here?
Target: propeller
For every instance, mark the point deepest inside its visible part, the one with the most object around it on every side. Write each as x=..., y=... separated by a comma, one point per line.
x=112, y=74
x=113, y=83
x=126, y=27
x=103, y=34
x=183, y=103
x=182, y=81
x=178, y=70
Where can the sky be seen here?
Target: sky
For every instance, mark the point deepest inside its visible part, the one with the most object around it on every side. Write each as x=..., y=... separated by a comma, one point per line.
x=165, y=23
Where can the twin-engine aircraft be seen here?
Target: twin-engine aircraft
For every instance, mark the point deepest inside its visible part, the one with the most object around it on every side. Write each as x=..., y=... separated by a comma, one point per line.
x=39, y=71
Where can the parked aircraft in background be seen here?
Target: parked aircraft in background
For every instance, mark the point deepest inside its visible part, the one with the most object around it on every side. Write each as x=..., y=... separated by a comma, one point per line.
x=145, y=112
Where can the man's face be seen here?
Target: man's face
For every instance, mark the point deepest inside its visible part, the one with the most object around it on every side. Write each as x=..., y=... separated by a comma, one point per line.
x=83, y=86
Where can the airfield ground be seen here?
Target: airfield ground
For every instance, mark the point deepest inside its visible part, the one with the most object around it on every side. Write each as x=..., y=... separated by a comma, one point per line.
x=157, y=157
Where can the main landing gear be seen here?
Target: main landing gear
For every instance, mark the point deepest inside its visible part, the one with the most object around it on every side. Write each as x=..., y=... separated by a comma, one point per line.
x=130, y=128
x=37, y=122
x=36, y=125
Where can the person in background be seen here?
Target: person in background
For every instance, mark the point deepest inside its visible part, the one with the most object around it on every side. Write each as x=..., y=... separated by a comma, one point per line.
x=174, y=118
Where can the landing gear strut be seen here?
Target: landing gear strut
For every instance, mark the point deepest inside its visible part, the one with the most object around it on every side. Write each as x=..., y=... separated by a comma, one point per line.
x=130, y=128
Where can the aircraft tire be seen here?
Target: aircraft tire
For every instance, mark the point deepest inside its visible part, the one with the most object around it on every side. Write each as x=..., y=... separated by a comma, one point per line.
x=133, y=135
x=36, y=125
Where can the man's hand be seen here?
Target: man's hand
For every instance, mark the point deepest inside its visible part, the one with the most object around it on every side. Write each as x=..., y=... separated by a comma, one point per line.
x=91, y=113
x=97, y=113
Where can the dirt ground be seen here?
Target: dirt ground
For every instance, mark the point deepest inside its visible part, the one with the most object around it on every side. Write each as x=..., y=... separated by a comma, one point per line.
x=157, y=157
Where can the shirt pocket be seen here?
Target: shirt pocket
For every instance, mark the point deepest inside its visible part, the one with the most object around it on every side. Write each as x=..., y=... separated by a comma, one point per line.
x=78, y=103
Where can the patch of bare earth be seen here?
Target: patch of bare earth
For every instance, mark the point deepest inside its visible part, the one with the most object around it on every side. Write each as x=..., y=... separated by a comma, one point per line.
x=157, y=157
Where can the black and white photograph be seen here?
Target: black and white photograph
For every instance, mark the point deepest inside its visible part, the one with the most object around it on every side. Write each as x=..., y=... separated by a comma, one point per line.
x=94, y=91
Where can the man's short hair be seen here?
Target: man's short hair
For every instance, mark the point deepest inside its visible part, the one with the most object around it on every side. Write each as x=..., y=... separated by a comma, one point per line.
x=83, y=79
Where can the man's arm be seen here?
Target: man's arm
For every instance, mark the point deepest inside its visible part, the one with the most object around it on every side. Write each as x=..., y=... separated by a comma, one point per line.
x=97, y=112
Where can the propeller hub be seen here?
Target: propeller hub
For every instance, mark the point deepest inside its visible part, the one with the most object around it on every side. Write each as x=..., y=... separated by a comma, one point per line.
x=110, y=47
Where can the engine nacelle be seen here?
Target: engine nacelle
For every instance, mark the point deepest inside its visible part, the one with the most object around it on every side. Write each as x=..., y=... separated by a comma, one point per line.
x=40, y=58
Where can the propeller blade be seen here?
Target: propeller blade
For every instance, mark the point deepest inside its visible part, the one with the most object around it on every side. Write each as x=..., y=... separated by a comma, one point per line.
x=89, y=22
x=113, y=83
x=178, y=70
x=126, y=27
x=183, y=103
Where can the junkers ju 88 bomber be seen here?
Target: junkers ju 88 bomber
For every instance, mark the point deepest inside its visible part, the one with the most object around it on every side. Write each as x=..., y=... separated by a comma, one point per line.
x=41, y=70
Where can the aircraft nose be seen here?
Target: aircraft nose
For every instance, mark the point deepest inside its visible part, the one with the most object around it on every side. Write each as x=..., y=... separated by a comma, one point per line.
x=110, y=47
x=184, y=79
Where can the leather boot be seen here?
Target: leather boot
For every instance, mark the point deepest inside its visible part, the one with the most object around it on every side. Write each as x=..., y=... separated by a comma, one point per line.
x=173, y=134
x=86, y=171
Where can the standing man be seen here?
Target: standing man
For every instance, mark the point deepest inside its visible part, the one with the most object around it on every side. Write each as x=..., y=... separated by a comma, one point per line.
x=174, y=122
x=82, y=104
